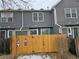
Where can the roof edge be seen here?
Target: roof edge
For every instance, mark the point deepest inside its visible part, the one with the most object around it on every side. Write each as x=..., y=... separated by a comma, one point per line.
x=56, y=4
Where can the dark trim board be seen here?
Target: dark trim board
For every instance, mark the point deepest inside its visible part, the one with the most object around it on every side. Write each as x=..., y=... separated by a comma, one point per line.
x=72, y=25
x=7, y=28
x=39, y=27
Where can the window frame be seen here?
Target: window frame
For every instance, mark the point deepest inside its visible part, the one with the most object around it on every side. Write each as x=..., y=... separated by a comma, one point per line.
x=5, y=20
x=69, y=30
x=38, y=17
x=75, y=13
x=33, y=30
x=12, y=19
x=41, y=30
x=70, y=11
x=6, y=16
x=65, y=9
x=5, y=33
x=21, y=30
x=60, y=30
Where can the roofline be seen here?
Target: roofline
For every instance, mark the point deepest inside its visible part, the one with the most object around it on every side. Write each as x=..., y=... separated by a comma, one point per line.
x=30, y=10
x=56, y=4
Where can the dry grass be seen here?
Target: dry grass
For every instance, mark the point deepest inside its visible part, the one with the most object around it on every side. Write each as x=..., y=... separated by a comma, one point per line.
x=6, y=57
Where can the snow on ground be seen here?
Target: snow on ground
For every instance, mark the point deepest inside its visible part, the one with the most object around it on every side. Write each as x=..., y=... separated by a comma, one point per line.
x=34, y=57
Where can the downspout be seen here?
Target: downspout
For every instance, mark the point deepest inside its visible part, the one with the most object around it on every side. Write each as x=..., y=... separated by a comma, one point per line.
x=55, y=19
x=22, y=21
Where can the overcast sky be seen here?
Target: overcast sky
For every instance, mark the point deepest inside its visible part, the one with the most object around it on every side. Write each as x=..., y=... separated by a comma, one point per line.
x=38, y=4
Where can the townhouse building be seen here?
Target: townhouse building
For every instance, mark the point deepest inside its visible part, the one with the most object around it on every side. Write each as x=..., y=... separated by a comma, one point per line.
x=67, y=17
x=25, y=22
x=63, y=18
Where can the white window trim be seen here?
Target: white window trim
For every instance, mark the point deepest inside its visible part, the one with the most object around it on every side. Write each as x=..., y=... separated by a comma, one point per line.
x=71, y=13
x=60, y=30
x=42, y=16
x=43, y=29
x=28, y=32
x=33, y=17
x=69, y=33
x=73, y=33
x=5, y=21
x=13, y=33
x=68, y=28
x=33, y=30
x=7, y=18
x=12, y=20
x=37, y=17
x=22, y=30
x=8, y=33
x=65, y=12
x=76, y=12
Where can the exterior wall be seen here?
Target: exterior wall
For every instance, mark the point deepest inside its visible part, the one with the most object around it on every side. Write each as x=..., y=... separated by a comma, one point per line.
x=29, y=23
x=56, y=29
x=27, y=19
x=29, y=27
x=60, y=12
x=17, y=20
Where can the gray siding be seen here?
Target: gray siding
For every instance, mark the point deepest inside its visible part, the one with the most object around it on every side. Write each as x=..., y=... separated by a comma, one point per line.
x=29, y=23
x=16, y=21
x=61, y=13
x=56, y=29
x=27, y=19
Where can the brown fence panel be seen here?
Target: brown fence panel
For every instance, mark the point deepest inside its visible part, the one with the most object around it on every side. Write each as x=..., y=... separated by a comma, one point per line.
x=39, y=44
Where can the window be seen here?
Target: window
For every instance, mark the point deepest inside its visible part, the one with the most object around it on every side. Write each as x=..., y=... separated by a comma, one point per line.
x=67, y=12
x=35, y=18
x=69, y=31
x=64, y=30
x=9, y=19
x=38, y=17
x=74, y=12
x=10, y=33
x=70, y=12
x=45, y=31
x=2, y=34
x=41, y=16
x=3, y=19
x=6, y=16
x=60, y=29
x=34, y=32
x=21, y=33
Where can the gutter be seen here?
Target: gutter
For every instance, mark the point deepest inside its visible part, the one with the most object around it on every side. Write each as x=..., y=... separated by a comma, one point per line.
x=22, y=21
x=55, y=19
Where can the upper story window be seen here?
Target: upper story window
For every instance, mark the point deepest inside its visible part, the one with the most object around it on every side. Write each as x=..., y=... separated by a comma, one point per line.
x=6, y=17
x=38, y=17
x=71, y=12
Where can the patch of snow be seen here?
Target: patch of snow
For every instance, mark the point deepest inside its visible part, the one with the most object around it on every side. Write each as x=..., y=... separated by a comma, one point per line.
x=34, y=57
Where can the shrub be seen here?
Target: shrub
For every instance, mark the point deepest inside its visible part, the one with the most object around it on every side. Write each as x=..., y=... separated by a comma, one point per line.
x=4, y=46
